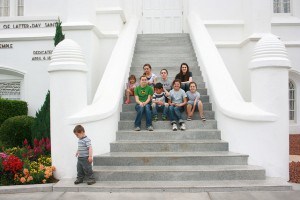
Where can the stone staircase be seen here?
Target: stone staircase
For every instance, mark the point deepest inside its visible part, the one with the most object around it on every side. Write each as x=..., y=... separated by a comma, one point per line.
x=194, y=160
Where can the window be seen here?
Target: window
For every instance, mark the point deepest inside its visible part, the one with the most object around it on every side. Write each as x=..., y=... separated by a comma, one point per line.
x=20, y=8
x=4, y=8
x=10, y=90
x=11, y=8
x=282, y=6
x=292, y=100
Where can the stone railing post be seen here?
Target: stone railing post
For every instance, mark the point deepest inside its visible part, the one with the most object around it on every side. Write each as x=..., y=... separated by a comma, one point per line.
x=269, y=88
x=68, y=95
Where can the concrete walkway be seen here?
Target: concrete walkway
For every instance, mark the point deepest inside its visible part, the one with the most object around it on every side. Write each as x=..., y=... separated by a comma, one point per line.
x=286, y=195
x=33, y=193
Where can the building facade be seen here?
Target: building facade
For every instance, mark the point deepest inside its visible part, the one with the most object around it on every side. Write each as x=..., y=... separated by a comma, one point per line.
x=27, y=29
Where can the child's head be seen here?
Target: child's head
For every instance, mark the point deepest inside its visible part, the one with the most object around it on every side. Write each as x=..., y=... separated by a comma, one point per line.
x=176, y=84
x=147, y=68
x=79, y=131
x=193, y=86
x=164, y=73
x=158, y=88
x=132, y=79
x=143, y=80
x=184, y=68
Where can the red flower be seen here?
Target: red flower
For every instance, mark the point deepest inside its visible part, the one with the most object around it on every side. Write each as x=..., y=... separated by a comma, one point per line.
x=12, y=164
x=25, y=143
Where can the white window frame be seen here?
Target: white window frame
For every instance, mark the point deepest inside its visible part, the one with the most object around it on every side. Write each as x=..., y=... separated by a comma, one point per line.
x=281, y=6
x=292, y=101
x=4, y=8
x=20, y=7
x=15, y=8
x=12, y=97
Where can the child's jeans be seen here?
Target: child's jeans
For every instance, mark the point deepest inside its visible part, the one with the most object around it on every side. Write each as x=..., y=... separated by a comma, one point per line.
x=84, y=169
x=175, y=113
x=156, y=107
x=140, y=110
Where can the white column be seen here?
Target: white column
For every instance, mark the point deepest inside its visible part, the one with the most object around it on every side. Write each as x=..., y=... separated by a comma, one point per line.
x=68, y=95
x=269, y=87
x=257, y=16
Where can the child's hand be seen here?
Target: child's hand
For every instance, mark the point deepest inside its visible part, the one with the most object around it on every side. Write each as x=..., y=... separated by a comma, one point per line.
x=90, y=159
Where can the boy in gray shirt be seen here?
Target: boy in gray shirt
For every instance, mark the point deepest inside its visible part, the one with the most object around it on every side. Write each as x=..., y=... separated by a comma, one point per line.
x=85, y=157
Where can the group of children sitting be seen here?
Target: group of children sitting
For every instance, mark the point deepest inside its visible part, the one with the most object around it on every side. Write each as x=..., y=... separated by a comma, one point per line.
x=170, y=98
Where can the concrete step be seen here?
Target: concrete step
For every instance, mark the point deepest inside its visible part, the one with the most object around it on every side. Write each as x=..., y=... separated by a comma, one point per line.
x=132, y=114
x=166, y=135
x=166, y=42
x=168, y=146
x=164, y=49
x=131, y=107
x=169, y=158
x=269, y=184
x=202, y=91
x=164, y=54
x=172, y=72
x=164, y=35
x=197, y=79
x=181, y=56
x=178, y=173
x=163, y=63
x=194, y=124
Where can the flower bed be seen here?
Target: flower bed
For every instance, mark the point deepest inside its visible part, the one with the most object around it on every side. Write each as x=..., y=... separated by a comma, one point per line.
x=27, y=165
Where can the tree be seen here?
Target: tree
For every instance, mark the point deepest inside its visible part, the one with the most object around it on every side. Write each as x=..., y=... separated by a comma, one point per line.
x=41, y=125
x=59, y=36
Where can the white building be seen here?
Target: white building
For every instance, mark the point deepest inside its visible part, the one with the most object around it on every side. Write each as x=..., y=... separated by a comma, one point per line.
x=27, y=28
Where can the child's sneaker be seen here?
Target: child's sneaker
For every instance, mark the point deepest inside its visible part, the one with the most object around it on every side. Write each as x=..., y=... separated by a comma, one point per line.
x=189, y=119
x=155, y=118
x=78, y=181
x=127, y=101
x=137, y=128
x=150, y=128
x=182, y=126
x=174, y=127
x=91, y=182
x=164, y=117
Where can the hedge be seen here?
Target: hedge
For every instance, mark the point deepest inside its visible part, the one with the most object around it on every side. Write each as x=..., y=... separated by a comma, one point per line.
x=11, y=108
x=15, y=130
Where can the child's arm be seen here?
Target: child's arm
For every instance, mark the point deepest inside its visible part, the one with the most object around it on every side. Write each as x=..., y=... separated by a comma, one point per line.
x=137, y=100
x=167, y=94
x=90, y=159
x=148, y=100
x=170, y=102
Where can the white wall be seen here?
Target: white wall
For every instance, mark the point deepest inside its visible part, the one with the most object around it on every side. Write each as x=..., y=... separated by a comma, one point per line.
x=44, y=7
x=36, y=80
x=216, y=9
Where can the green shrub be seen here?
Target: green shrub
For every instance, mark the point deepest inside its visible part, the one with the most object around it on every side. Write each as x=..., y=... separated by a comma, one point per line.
x=15, y=130
x=41, y=127
x=11, y=108
x=59, y=36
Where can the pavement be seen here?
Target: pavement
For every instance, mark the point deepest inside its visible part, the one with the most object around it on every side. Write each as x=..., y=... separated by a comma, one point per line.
x=282, y=195
x=247, y=195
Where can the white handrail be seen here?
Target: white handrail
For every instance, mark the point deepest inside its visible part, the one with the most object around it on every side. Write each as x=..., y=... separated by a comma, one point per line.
x=111, y=87
x=222, y=88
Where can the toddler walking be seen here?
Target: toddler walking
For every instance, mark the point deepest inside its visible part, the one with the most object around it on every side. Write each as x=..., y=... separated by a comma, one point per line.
x=85, y=157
